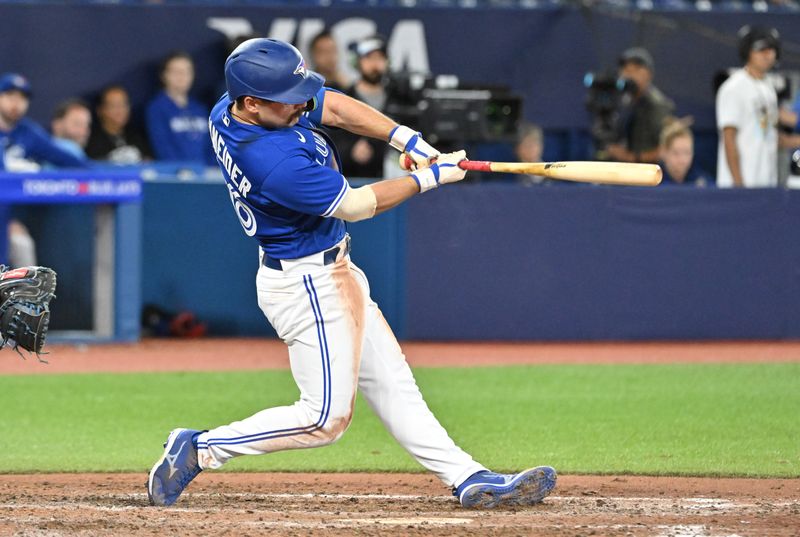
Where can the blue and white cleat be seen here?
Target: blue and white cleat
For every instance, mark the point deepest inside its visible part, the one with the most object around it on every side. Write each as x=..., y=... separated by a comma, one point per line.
x=485, y=490
x=175, y=469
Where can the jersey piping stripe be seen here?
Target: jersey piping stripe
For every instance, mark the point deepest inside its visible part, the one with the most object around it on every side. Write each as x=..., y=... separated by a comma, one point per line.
x=338, y=200
x=326, y=386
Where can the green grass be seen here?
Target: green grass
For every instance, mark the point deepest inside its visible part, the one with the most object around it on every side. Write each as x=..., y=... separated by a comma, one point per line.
x=643, y=419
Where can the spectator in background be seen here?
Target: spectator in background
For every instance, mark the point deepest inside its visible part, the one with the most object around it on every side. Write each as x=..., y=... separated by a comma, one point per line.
x=789, y=118
x=25, y=144
x=324, y=56
x=529, y=148
x=113, y=138
x=177, y=124
x=747, y=115
x=363, y=157
x=71, y=125
x=677, y=156
x=650, y=109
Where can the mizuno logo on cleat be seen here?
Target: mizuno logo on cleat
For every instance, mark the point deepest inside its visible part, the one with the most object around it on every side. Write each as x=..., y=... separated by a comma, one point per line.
x=171, y=461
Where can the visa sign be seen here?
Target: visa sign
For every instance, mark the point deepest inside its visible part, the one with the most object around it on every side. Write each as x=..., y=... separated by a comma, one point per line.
x=406, y=46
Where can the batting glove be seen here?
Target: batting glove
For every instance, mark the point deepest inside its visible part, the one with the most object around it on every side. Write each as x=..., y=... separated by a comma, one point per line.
x=410, y=142
x=444, y=170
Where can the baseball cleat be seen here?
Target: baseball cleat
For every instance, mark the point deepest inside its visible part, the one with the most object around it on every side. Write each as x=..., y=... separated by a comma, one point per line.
x=175, y=469
x=485, y=490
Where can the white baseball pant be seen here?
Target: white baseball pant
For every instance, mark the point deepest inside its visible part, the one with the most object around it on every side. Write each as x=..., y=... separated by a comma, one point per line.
x=338, y=342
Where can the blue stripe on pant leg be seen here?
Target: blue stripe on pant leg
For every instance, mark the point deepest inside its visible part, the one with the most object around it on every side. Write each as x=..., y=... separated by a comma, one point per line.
x=326, y=386
x=325, y=344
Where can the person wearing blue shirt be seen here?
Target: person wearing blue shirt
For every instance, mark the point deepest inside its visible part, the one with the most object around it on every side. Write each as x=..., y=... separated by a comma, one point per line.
x=790, y=116
x=24, y=143
x=284, y=181
x=71, y=126
x=790, y=121
x=177, y=124
x=24, y=146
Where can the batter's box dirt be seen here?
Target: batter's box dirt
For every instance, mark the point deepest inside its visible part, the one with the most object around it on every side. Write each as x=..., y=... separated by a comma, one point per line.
x=393, y=504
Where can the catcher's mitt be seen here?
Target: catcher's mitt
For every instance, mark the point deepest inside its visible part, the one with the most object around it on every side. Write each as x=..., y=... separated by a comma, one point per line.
x=25, y=295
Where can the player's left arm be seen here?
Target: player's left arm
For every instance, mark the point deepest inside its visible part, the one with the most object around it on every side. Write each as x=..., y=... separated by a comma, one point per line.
x=376, y=198
x=344, y=112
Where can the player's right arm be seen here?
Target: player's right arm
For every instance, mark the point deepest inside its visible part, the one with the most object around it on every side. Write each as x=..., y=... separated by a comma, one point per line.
x=732, y=154
x=344, y=112
x=339, y=110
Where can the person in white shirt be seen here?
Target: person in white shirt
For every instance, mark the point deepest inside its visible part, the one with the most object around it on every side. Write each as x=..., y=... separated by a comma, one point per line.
x=747, y=115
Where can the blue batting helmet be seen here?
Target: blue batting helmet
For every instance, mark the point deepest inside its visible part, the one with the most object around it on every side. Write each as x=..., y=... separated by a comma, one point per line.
x=271, y=70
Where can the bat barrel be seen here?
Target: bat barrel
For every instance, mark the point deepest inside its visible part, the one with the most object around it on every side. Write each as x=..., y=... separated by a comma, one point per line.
x=609, y=173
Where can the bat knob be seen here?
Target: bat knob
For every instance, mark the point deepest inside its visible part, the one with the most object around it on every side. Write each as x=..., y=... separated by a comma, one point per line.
x=406, y=162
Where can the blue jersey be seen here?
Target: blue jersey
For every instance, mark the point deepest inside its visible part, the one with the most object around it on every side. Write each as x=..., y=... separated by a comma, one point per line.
x=284, y=183
x=30, y=141
x=177, y=133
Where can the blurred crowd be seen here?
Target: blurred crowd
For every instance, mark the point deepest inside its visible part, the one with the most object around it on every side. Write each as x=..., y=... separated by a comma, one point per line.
x=84, y=135
x=752, y=126
x=647, y=127
x=175, y=126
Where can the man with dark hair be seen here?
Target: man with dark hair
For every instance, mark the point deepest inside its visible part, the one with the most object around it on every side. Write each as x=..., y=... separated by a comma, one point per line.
x=650, y=109
x=286, y=187
x=71, y=125
x=325, y=60
x=24, y=143
x=363, y=156
x=24, y=146
x=747, y=115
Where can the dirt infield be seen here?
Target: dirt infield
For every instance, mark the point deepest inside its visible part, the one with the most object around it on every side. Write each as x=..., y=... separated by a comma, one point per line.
x=391, y=504
x=402, y=504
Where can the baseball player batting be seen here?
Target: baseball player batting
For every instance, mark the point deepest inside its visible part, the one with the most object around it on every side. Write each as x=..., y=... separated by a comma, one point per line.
x=286, y=187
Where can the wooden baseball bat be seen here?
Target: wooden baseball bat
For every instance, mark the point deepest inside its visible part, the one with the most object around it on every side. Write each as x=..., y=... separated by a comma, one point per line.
x=607, y=173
